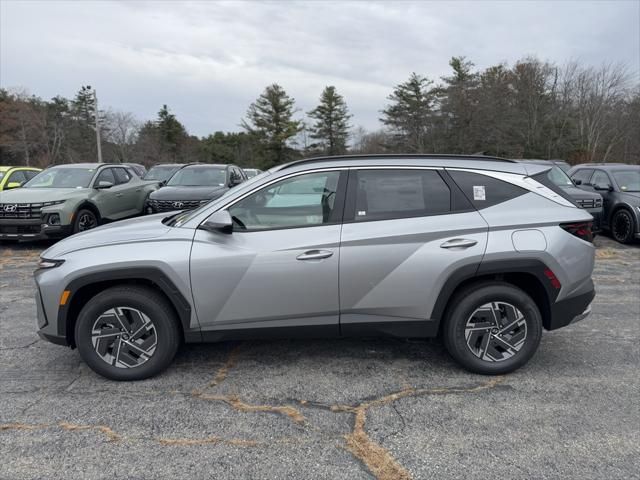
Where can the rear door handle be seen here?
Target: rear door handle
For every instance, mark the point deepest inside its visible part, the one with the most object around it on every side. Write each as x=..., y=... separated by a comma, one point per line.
x=314, y=255
x=459, y=243
x=118, y=194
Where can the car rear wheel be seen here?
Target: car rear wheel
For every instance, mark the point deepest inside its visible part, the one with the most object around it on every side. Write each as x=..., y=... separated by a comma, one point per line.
x=127, y=333
x=85, y=220
x=622, y=226
x=492, y=328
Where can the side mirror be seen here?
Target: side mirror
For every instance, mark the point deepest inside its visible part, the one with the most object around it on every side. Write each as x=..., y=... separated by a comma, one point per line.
x=14, y=185
x=104, y=184
x=220, y=221
x=577, y=182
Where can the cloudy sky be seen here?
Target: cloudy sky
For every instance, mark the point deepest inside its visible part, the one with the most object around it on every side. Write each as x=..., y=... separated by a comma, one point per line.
x=208, y=60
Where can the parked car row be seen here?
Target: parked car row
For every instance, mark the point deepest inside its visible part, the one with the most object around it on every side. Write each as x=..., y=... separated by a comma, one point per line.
x=66, y=199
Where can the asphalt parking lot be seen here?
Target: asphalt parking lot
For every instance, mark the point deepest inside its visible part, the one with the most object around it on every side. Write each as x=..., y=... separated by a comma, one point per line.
x=365, y=408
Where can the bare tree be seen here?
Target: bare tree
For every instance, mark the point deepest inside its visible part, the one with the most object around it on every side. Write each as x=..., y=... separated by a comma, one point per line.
x=122, y=131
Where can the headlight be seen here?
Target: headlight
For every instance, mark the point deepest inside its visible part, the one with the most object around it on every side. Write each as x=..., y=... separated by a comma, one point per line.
x=46, y=263
x=57, y=202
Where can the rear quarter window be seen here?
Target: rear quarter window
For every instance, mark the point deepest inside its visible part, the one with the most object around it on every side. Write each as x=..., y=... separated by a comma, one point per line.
x=484, y=191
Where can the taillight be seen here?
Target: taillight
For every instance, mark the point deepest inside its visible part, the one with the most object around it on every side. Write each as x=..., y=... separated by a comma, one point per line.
x=553, y=280
x=582, y=230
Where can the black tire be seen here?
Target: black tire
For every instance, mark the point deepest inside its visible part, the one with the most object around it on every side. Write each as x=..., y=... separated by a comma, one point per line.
x=623, y=226
x=463, y=313
x=163, y=333
x=84, y=220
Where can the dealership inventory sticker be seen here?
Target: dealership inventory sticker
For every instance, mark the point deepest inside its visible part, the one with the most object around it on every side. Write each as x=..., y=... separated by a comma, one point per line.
x=478, y=192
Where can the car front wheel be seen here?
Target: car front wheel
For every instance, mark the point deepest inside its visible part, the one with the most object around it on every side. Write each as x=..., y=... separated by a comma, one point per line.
x=85, y=220
x=492, y=328
x=127, y=333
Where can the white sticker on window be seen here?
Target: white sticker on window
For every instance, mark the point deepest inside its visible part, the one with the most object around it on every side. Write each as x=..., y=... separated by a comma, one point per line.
x=362, y=213
x=478, y=192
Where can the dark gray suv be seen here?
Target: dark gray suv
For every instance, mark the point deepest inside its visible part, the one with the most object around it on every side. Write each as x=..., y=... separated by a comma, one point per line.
x=619, y=185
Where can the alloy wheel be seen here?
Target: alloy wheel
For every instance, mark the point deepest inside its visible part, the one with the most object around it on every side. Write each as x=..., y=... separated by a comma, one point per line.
x=87, y=221
x=496, y=331
x=124, y=337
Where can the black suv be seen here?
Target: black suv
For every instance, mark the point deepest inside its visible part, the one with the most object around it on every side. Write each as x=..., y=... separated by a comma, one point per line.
x=619, y=185
x=193, y=185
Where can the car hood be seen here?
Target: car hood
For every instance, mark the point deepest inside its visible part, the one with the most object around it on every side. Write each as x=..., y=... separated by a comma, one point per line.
x=631, y=197
x=580, y=194
x=187, y=193
x=124, y=231
x=39, y=195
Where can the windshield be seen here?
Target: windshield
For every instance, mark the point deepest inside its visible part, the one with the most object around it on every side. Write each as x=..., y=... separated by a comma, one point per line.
x=1, y=175
x=160, y=173
x=628, y=180
x=199, y=177
x=62, y=177
x=244, y=186
x=559, y=178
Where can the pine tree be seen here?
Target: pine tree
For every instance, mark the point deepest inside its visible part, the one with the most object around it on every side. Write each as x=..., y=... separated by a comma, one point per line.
x=331, y=125
x=408, y=117
x=171, y=132
x=270, y=117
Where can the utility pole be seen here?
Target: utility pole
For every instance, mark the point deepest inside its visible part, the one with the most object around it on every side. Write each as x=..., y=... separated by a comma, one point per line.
x=95, y=100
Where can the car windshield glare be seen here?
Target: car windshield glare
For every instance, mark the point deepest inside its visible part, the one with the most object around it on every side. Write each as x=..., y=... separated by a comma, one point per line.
x=62, y=177
x=628, y=180
x=199, y=177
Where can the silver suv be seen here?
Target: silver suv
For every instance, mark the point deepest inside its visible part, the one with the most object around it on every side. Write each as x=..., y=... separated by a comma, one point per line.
x=484, y=251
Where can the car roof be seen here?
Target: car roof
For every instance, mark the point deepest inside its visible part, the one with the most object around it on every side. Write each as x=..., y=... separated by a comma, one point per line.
x=6, y=168
x=478, y=162
x=218, y=165
x=168, y=165
x=88, y=165
x=607, y=166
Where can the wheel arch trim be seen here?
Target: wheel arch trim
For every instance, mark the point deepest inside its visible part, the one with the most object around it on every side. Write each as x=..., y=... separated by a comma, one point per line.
x=67, y=314
x=467, y=274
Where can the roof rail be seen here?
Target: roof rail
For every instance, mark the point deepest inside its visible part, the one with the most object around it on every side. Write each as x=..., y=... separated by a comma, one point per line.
x=447, y=156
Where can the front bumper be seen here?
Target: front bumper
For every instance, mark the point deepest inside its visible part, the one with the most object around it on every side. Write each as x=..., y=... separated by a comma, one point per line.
x=31, y=229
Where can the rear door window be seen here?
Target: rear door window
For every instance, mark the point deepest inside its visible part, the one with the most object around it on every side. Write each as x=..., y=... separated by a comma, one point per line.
x=386, y=194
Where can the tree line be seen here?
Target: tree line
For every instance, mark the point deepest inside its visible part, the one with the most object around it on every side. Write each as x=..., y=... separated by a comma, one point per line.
x=532, y=109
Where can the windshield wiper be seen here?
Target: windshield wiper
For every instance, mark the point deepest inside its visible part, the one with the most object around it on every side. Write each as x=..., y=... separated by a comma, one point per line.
x=170, y=220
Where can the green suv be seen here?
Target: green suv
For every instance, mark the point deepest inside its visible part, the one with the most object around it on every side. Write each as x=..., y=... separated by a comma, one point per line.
x=67, y=199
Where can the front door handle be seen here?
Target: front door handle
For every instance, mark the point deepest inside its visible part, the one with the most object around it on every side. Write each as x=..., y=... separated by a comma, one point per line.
x=118, y=194
x=314, y=255
x=459, y=243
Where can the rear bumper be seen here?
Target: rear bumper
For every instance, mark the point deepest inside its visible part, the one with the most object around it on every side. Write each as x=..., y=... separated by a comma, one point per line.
x=596, y=213
x=571, y=310
x=32, y=229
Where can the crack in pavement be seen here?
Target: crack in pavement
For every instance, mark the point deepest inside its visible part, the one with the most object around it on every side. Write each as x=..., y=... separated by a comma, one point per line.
x=236, y=403
x=113, y=436
x=108, y=432
x=20, y=347
x=223, y=371
x=378, y=460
